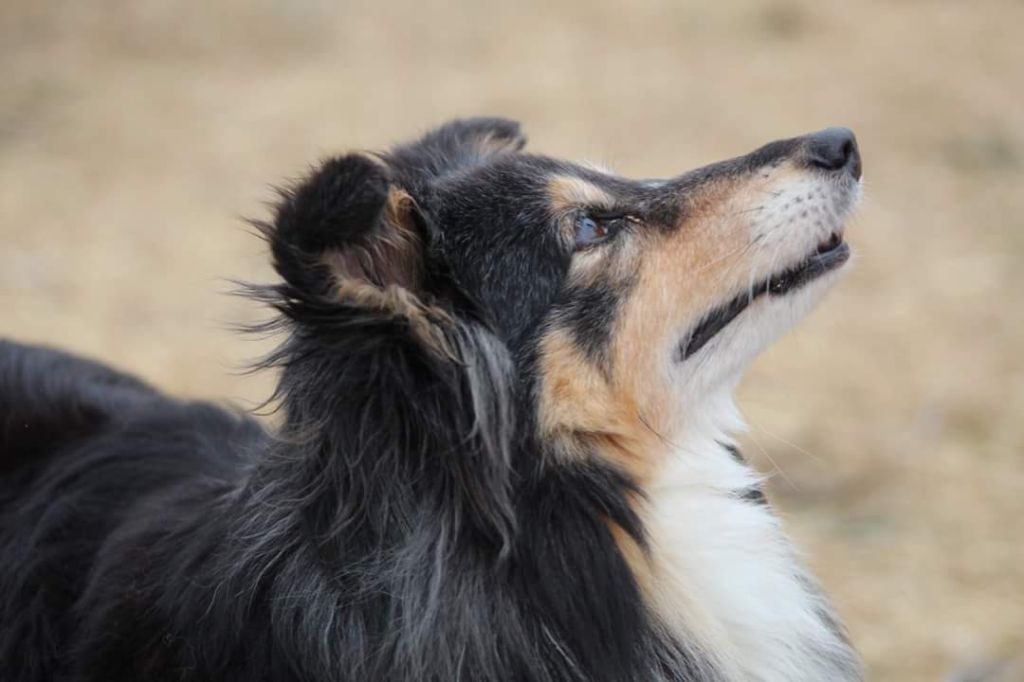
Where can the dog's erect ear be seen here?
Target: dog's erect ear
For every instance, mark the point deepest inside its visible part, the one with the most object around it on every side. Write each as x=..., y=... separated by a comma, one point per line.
x=347, y=223
x=459, y=143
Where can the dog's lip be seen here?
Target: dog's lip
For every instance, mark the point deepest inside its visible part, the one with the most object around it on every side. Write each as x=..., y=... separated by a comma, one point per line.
x=829, y=255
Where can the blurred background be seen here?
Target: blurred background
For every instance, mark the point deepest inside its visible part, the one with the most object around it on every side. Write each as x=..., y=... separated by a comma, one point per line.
x=135, y=134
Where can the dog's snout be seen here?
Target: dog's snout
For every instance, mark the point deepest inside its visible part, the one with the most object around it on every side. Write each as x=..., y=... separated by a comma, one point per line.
x=834, y=149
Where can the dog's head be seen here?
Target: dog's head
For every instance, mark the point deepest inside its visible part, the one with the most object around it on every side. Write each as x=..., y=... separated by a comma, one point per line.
x=618, y=305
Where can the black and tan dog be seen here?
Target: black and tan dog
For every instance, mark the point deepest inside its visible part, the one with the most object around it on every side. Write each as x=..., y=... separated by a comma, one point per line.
x=505, y=451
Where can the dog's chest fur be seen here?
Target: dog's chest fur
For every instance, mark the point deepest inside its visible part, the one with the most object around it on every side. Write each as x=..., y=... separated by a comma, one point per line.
x=723, y=574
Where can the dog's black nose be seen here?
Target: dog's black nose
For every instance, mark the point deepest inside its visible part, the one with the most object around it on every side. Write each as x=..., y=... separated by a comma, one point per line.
x=834, y=149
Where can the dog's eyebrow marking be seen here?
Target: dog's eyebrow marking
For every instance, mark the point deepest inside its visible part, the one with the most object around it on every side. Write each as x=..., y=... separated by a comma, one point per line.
x=568, y=192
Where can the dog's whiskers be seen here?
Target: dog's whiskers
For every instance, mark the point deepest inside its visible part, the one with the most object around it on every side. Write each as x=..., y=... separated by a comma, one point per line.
x=817, y=458
x=775, y=465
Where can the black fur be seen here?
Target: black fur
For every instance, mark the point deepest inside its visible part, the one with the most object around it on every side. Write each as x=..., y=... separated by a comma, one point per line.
x=590, y=312
x=754, y=493
x=403, y=523
x=308, y=218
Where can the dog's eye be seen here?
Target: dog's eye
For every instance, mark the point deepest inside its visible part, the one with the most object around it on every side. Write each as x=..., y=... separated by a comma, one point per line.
x=590, y=230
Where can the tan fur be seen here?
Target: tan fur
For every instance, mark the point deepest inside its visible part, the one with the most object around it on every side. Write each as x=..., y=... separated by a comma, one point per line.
x=427, y=323
x=681, y=275
x=584, y=411
x=574, y=395
x=568, y=192
x=384, y=274
x=635, y=556
x=620, y=410
x=390, y=255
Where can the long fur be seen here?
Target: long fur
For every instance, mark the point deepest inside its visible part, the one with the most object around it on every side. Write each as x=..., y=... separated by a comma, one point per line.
x=408, y=519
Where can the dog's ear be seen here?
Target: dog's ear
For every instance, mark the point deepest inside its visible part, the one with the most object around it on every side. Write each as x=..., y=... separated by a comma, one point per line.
x=347, y=224
x=459, y=143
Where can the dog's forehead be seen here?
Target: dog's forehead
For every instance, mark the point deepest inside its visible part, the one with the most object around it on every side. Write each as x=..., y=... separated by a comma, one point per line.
x=536, y=181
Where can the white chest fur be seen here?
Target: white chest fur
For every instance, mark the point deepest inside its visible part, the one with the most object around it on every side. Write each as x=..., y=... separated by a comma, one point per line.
x=722, y=572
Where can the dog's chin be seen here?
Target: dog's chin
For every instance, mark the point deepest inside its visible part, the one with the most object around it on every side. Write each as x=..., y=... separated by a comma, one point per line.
x=827, y=257
x=742, y=329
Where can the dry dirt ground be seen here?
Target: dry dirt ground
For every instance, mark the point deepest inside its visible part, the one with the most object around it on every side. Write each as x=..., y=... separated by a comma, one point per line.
x=133, y=134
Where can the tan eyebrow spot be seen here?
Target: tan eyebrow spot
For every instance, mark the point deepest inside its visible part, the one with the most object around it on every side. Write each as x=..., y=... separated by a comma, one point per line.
x=569, y=191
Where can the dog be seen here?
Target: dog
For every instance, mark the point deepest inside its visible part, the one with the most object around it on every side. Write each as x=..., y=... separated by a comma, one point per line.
x=505, y=446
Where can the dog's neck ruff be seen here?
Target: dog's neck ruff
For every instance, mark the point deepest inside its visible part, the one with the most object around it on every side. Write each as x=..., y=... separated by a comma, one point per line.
x=724, y=574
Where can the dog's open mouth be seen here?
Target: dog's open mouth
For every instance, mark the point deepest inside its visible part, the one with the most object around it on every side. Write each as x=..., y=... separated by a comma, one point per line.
x=829, y=255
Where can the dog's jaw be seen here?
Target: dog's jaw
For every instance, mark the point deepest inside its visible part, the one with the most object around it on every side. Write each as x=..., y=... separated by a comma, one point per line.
x=786, y=236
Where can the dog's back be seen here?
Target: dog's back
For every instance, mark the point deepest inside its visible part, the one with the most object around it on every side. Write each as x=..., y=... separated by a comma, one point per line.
x=81, y=445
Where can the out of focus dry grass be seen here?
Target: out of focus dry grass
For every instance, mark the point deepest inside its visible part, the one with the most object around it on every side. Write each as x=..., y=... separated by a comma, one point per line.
x=134, y=132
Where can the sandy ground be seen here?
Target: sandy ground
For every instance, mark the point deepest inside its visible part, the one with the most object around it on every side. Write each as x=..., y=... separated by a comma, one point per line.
x=134, y=134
